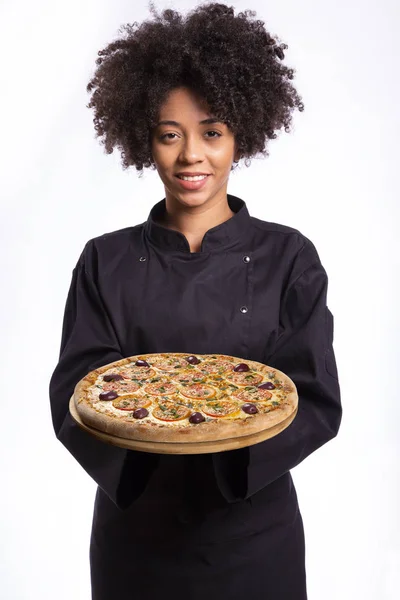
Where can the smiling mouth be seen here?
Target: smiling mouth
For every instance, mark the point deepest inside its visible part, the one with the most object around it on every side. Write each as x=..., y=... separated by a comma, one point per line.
x=192, y=184
x=191, y=177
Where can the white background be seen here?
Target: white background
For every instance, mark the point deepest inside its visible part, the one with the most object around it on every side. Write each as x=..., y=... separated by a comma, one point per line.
x=335, y=178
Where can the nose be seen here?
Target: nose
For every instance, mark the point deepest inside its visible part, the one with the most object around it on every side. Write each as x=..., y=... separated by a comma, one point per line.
x=191, y=150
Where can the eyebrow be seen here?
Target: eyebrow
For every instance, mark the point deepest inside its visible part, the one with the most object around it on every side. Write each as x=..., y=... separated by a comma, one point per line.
x=204, y=122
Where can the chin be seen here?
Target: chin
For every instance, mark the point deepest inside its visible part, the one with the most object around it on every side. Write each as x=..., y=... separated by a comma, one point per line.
x=190, y=198
x=194, y=199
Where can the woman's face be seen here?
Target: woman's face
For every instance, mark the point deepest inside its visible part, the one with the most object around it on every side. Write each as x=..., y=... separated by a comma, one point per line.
x=188, y=145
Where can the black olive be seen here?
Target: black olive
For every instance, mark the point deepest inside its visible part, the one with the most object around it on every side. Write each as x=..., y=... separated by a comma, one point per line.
x=111, y=395
x=193, y=360
x=249, y=408
x=196, y=417
x=267, y=386
x=112, y=377
x=142, y=363
x=241, y=367
x=140, y=413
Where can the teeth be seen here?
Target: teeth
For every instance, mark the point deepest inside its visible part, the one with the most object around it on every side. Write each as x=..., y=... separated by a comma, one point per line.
x=198, y=178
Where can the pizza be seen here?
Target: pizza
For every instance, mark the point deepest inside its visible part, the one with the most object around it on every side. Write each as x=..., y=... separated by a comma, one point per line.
x=178, y=397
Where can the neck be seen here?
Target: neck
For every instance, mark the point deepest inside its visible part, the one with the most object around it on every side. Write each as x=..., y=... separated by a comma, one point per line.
x=194, y=221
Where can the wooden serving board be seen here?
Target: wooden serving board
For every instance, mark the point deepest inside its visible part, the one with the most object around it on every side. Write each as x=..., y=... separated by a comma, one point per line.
x=186, y=447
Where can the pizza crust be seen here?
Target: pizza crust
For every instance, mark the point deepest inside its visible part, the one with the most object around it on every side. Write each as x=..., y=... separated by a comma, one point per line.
x=220, y=428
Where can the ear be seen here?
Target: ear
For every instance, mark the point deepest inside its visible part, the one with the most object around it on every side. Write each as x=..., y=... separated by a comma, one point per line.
x=237, y=154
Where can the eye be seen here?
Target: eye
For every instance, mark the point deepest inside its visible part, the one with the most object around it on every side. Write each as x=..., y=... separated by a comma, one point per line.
x=213, y=137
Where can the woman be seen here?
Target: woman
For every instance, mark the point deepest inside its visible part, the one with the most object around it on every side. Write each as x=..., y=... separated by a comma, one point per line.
x=192, y=96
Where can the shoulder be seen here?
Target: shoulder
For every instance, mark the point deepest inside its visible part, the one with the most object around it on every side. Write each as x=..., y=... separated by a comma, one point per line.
x=299, y=251
x=117, y=239
x=108, y=246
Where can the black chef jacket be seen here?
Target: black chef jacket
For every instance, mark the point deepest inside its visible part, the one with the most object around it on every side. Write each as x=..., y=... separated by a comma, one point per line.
x=224, y=525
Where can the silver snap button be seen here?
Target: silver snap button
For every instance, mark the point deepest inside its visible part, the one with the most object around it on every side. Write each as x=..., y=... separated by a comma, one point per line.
x=243, y=309
x=246, y=259
x=142, y=258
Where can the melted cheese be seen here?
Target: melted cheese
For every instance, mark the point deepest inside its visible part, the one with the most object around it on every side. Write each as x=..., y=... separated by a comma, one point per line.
x=106, y=406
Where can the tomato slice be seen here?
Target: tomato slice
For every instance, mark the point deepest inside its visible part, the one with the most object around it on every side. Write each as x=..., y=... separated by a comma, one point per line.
x=168, y=411
x=124, y=403
x=220, y=409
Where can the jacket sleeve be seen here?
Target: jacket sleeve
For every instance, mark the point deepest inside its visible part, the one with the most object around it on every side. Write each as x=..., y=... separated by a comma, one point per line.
x=304, y=352
x=89, y=341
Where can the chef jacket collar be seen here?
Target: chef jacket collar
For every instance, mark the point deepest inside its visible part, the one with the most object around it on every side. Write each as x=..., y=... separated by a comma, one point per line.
x=217, y=237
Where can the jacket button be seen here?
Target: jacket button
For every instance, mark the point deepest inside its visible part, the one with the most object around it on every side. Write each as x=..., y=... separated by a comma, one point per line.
x=243, y=309
x=142, y=258
x=246, y=259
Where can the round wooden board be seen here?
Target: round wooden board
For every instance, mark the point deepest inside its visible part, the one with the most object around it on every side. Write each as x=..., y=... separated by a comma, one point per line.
x=183, y=448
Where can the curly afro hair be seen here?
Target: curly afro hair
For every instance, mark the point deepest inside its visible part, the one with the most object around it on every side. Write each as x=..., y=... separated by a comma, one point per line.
x=230, y=61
